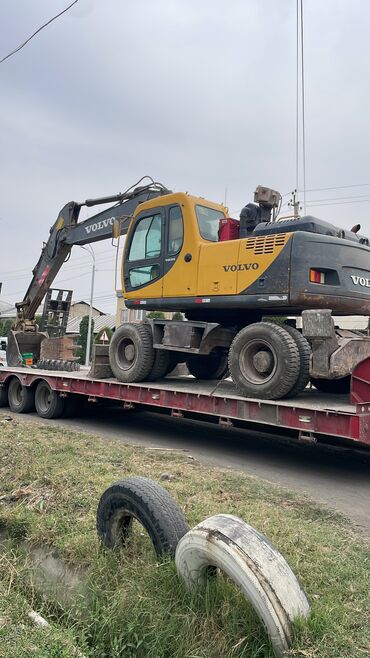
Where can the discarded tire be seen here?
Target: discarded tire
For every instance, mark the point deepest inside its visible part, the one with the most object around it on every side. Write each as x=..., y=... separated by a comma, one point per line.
x=254, y=564
x=48, y=403
x=131, y=352
x=209, y=366
x=304, y=351
x=264, y=361
x=142, y=499
x=21, y=398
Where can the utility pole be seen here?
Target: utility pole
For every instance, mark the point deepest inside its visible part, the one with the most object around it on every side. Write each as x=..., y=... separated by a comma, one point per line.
x=294, y=203
x=88, y=341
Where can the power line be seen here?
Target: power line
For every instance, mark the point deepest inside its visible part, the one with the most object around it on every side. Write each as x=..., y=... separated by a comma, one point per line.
x=37, y=31
x=339, y=187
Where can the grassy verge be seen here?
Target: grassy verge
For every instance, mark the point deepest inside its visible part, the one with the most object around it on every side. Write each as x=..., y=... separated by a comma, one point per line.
x=50, y=483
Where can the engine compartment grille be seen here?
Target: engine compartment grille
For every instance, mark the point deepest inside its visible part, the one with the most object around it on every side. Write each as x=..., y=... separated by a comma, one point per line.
x=266, y=244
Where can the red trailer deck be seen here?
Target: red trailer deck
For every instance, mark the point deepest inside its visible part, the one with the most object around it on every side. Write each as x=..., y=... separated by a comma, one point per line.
x=311, y=416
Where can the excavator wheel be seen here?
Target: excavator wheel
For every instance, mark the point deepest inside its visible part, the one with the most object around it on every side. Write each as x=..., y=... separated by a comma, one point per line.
x=340, y=386
x=304, y=350
x=160, y=366
x=131, y=352
x=209, y=366
x=264, y=361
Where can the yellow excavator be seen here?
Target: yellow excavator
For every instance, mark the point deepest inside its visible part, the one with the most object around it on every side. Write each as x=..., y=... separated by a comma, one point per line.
x=184, y=253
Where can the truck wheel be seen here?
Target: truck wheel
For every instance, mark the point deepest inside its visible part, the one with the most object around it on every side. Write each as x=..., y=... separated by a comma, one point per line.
x=3, y=396
x=131, y=352
x=209, y=366
x=335, y=386
x=304, y=350
x=48, y=403
x=21, y=398
x=160, y=365
x=264, y=361
x=142, y=499
x=253, y=564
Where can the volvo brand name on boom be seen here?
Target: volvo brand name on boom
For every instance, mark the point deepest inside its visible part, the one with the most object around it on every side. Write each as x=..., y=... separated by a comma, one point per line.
x=97, y=226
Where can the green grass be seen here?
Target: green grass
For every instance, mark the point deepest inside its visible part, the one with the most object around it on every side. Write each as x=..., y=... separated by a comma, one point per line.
x=131, y=606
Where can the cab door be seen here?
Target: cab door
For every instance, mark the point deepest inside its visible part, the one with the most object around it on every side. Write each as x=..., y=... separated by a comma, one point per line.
x=143, y=257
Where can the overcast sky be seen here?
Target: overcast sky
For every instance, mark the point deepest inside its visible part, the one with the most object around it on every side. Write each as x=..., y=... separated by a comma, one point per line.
x=198, y=94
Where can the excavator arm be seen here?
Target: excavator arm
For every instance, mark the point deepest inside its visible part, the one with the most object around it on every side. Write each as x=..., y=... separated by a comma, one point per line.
x=66, y=232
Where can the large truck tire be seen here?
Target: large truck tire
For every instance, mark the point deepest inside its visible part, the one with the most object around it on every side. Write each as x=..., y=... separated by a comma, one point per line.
x=131, y=352
x=264, y=361
x=21, y=398
x=142, y=499
x=304, y=350
x=160, y=366
x=209, y=366
x=3, y=396
x=253, y=564
x=340, y=386
x=48, y=403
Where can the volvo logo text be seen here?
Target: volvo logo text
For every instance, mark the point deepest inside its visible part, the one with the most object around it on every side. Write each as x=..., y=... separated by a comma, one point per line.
x=98, y=226
x=360, y=281
x=241, y=266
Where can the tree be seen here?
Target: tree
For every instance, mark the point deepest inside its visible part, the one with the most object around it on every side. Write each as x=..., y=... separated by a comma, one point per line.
x=82, y=339
x=155, y=315
x=177, y=316
x=5, y=327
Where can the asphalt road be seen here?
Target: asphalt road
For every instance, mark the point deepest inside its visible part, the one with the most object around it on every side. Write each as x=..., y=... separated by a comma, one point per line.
x=338, y=479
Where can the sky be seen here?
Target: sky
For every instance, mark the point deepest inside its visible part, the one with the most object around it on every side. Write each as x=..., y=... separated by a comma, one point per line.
x=201, y=95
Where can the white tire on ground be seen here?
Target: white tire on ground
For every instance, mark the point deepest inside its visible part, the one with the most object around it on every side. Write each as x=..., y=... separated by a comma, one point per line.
x=253, y=564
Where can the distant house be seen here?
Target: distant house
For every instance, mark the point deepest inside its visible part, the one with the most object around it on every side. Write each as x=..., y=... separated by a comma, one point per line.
x=7, y=310
x=100, y=322
x=79, y=309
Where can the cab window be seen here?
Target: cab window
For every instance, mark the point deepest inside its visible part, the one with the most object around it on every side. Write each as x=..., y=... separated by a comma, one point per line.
x=208, y=222
x=175, y=230
x=146, y=241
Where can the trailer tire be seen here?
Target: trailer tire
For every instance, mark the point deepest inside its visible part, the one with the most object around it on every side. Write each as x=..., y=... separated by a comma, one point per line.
x=304, y=350
x=264, y=361
x=160, y=365
x=3, y=396
x=48, y=402
x=131, y=352
x=249, y=559
x=21, y=398
x=340, y=386
x=209, y=366
x=145, y=500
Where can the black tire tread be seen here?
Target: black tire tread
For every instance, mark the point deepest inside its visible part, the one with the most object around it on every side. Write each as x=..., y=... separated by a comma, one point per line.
x=304, y=350
x=152, y=505
x=28, y=402
x=57, y=405
x=160, y=366
x=143, y=368
x=284, y=384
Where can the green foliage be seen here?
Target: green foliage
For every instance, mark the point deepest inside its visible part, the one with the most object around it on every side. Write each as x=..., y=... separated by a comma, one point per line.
x=276, y=319
x=82, y=339
x=108, y=331
x=177, y=316
x=5, y=326
x=155, y=315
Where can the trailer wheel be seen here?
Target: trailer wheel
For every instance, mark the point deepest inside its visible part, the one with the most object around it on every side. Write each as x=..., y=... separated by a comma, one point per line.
x=3, y=396
x=264, y=361
x=304, y=350
x=253, y=564
x=209, y=366
x=160, y=365
x=131, y=352
x=142, y=499
x=48, y=403
x=21, y=398
x=340, y=386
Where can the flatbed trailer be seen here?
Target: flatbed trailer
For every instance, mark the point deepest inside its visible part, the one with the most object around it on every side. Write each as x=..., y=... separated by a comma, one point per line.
x=312, y=416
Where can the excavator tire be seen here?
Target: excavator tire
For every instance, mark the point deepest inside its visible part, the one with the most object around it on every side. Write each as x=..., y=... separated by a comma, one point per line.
x=131, y=352
x=160, y=366
x=209, y=366
x=304, y=350
x=264, y=361
x=21, y=398
x=340, y=386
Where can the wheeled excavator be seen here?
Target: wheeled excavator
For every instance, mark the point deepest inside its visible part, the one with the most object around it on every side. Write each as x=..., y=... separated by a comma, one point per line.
x=184, y=253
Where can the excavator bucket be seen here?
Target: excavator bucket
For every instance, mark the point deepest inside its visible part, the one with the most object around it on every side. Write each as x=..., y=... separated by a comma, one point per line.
x=23, y=342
